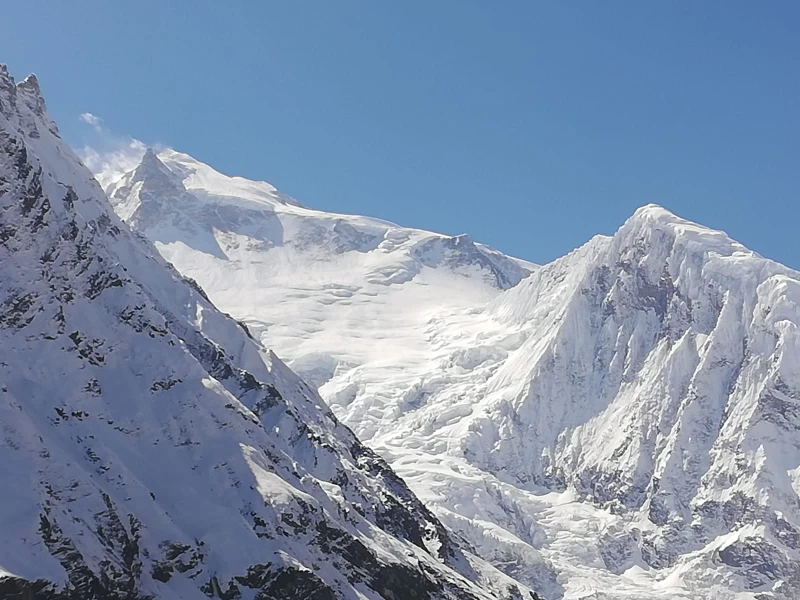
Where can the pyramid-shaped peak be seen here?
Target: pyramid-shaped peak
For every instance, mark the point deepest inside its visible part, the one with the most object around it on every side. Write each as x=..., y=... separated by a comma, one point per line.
x=150, y=158
x=151, y=166
x=152, y=175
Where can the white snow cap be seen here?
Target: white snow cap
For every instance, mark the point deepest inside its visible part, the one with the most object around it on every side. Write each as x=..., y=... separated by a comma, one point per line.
x=596, y=422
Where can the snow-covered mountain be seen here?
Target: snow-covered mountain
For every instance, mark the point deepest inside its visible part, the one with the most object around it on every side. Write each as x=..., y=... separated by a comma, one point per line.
x=151, y=448
x=340, y=289
x=622, y=423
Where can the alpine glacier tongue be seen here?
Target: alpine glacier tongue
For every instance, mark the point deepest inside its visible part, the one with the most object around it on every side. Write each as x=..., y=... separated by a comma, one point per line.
x=622, y=423
x=150, y=447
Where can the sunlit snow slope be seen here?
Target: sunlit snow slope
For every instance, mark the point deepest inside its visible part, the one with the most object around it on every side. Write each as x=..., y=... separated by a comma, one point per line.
x=622, y=423
x=150, y=448
x=333, y=292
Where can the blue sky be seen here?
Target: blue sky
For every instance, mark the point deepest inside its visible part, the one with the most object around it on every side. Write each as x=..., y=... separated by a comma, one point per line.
x=531, y=126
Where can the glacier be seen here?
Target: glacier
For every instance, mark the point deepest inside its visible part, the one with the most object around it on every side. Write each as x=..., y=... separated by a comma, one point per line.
x=621, y=423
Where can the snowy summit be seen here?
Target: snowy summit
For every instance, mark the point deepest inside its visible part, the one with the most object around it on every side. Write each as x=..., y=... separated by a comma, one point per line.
x=622, y=423
x=151, y=448
x=622, y=419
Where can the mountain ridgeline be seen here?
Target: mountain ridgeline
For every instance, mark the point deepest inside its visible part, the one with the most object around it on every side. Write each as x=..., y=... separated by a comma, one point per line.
x=151, y=448
x=623, y=422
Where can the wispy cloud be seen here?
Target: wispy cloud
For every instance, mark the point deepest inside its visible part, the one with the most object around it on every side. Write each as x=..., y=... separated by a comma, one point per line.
x=93, y=120
x=108, y=155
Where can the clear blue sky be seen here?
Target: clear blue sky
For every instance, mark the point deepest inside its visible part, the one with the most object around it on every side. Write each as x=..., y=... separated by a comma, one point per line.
x=531, y=126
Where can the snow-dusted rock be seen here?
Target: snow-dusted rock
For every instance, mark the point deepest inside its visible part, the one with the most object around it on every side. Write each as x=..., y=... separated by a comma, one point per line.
x=150, y=448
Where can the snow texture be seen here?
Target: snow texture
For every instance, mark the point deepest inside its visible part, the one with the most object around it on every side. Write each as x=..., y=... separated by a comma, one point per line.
x=149, y=446
x=622, y=423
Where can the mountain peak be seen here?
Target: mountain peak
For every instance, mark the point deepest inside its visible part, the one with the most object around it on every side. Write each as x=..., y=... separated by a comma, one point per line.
x=656, y=216
x=652, y=211
x=152, y=171
x=149, y=183
x=31, y=82
x=150, y=155
x=29, y=85
x=23, y=103
x=652, y=218
x=31, y=94
x=149, y=391
x=150, y=160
